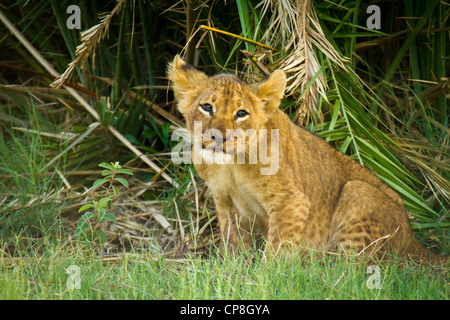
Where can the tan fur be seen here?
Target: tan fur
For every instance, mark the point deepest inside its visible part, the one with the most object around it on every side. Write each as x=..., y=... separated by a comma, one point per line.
x=319, y=198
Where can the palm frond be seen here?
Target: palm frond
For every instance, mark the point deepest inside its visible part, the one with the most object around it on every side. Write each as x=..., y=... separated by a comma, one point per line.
x=89, y=40
x=295, y=27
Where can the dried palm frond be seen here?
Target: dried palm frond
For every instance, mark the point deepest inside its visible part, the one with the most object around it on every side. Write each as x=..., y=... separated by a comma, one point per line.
x=89, y=40
x=431, y=161
x=294, y=25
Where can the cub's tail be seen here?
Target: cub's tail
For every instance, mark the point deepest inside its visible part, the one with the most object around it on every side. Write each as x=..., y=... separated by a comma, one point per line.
x=417, y=252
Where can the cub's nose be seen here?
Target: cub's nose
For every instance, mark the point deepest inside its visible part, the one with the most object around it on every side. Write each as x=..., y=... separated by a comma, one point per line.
x=216, y=135
x=218, y=139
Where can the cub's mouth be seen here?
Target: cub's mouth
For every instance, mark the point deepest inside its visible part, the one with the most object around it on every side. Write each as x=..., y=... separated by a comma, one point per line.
x=215, y=153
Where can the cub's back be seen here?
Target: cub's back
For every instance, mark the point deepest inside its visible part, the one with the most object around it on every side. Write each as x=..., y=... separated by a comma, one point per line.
x=322, y=171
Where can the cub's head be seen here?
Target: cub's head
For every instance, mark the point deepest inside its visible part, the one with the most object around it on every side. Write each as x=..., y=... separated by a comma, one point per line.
x=223, y=101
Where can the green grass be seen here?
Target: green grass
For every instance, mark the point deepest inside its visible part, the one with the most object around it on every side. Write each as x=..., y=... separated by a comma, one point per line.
x=38, y=271
x=29, y=187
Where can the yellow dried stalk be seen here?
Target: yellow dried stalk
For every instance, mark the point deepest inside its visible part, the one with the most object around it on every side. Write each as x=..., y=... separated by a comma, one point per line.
x=89, y=40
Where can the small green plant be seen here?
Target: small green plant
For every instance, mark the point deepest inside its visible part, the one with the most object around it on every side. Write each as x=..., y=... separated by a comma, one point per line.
x=89, y=224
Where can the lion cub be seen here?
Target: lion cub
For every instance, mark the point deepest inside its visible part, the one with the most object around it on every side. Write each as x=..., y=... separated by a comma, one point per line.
x=271, y=177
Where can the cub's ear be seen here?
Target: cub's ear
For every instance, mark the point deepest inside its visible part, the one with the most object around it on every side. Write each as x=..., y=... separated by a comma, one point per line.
x=271, y=90
x=184, y=77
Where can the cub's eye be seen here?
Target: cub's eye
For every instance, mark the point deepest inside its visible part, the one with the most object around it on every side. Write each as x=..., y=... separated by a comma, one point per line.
x=207, y=107
x=240, y=114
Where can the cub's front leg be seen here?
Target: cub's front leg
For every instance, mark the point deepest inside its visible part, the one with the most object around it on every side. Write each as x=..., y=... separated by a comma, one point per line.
x=288, y=211
x=235, y=230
